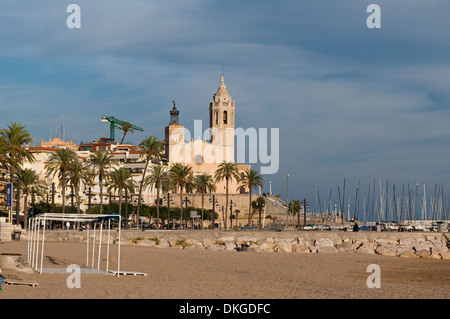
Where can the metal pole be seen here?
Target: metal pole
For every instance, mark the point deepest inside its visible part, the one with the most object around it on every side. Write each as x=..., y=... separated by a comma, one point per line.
x=43, y=238
x=107, y=249
x=99, y=245
x=93, y=248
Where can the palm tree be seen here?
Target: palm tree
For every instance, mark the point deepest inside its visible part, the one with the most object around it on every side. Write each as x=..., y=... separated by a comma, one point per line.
x=227, y=171
x=294, y=206
x=100, y=162
x=126, y=127
x=120, y=179
x=28, y=180
x=59, y=163
x=158, y=178
x=251, y=180
x=181, y=176
x=203, y=184
x=78, y=173
x=14, y=137
x=150, y=147
x=12, y=143
x=259, y=204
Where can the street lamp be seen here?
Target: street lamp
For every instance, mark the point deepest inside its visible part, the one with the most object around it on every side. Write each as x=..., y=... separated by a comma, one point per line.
x=186, y=201
x=215, y=204
x=169, y=203
x=231, y=214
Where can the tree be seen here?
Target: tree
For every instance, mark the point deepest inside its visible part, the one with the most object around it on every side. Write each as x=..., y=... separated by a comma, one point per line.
x=150, y=147
x=251, y=180
x=126, y=127
x=158, y=178
x=294, y=206
x=227, y=171
x=181, y=176
x=13, y=138
x=28, y=181
x=259, y=205
x=59, y=164
x=204, y=183
x=100, y=163
x=120, y=179
x=78, y=173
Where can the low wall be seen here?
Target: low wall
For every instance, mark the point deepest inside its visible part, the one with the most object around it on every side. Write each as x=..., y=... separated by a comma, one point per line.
x=409, y=244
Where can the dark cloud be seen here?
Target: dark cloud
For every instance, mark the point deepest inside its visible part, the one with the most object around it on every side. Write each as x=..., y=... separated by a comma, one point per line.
x=350, y=102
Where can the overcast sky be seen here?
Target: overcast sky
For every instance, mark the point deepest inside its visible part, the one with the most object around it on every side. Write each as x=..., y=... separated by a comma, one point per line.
x=350, y=102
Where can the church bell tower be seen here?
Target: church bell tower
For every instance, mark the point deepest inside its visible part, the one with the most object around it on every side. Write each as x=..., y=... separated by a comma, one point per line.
x=221, y=121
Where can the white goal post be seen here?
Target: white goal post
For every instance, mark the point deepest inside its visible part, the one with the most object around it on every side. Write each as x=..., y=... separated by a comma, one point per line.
x=36, y=237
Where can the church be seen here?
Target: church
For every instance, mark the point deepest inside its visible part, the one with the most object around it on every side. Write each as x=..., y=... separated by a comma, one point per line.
x=205, y=155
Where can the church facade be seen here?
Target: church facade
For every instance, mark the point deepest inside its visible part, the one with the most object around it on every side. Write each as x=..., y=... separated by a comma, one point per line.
x=205, y=155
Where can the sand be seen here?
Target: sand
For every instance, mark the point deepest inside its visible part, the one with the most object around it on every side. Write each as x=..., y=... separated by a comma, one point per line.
x=201, y=274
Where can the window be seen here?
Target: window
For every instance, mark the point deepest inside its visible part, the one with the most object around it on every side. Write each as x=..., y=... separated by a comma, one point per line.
x=225, y=117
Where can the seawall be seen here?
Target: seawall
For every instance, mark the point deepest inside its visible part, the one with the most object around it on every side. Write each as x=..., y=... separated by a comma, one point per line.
x=429, y=245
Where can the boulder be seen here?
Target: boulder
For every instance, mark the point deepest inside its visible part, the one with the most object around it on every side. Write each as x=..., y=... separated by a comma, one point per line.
x=207, y=242
x=300, y=248
x=408, y=241
x=313, y=248
x=283, y=246
x=364, y=249
x=387, y=241
x=385, y=251
x=425, y=245
x=423, y=253
x=163, y=243
x=446, y=255
x=346, y=247
x=146, y=243
x=267, y=246
x=401, y=249
x=230, y=245
x=193, y=242
x=438, y=250
x=322, y=242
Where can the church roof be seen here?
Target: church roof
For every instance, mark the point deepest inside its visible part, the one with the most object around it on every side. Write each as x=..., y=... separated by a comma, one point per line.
x=222, y=94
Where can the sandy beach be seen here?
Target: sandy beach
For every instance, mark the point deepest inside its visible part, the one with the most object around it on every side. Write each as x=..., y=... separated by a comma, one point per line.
x=201, y=274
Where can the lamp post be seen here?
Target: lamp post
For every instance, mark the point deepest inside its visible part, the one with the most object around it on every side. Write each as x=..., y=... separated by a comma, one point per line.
x=231, y=214
x=53, y=198
x=186, y=201
x=169, y=203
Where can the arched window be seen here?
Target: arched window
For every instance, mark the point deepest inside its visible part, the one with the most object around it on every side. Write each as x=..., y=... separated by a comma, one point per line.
x=217, y=117
x=225, y=120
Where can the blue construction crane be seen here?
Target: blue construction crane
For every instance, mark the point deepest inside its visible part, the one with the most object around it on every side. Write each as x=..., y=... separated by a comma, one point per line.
x=115, y=122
